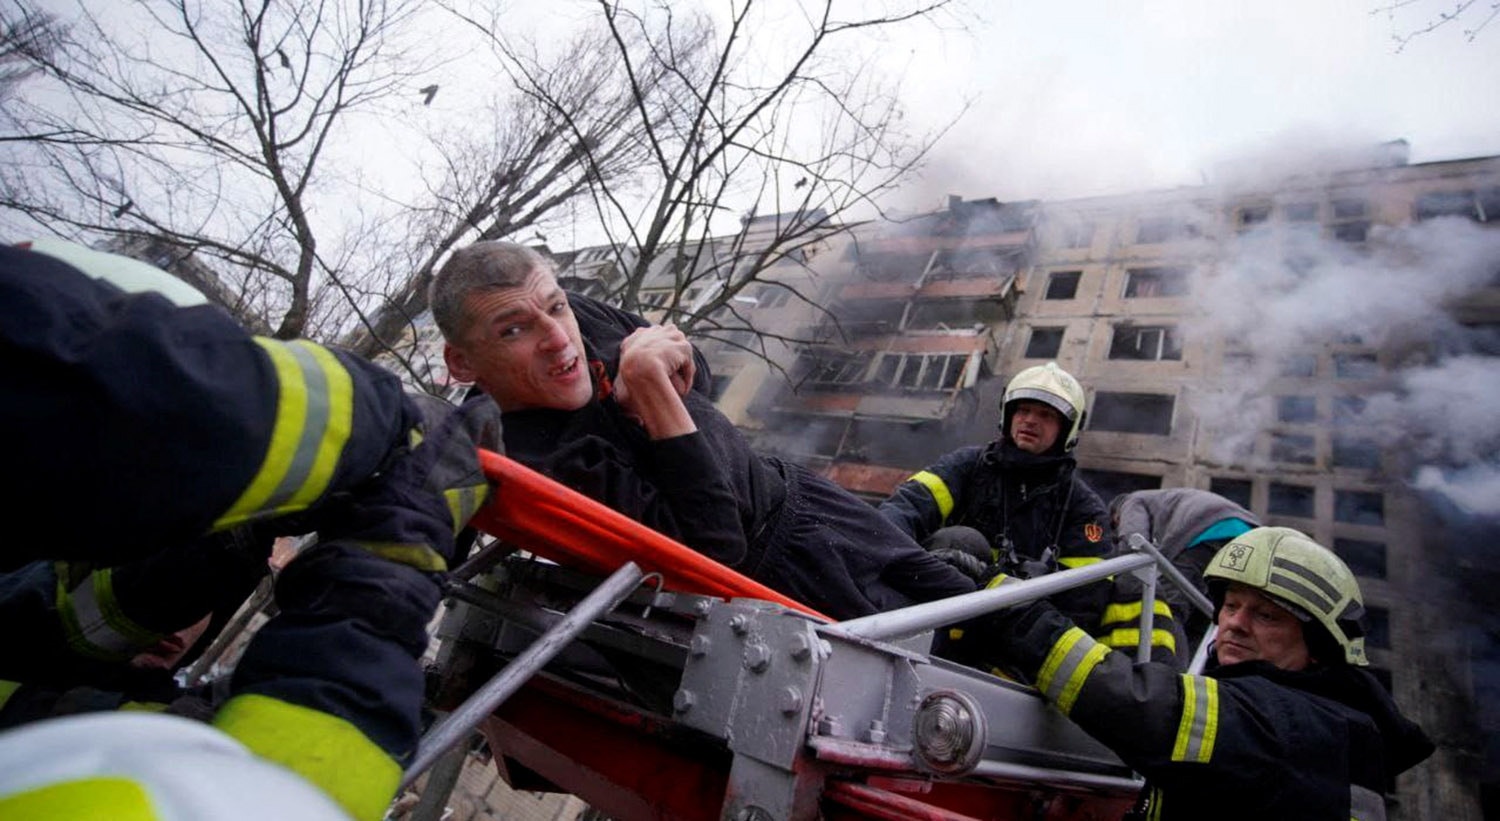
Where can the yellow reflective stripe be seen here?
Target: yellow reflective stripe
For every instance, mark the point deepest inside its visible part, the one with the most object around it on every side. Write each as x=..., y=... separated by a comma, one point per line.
x=1200, y=720
x=104, y=797
x=938, y=488
x=323, y=748
x=1067, y=667
x=420, y=556
x=1157, y=797
x=93, y=623
x=314, y=417
x=1130, y=612
x=464, y=502
x=1123, y=638
x=7, y=689
x=1071, y=562
x=143, y=707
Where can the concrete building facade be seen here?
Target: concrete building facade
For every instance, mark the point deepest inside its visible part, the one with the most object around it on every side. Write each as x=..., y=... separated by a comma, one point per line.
x=1236, y=339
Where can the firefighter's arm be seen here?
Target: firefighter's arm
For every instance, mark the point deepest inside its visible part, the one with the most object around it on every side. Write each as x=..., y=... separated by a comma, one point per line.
x=1167, y=725
x=1120, y=625
x=922, y=504
x=84, y=623
x=214, y=427
x=331, y=686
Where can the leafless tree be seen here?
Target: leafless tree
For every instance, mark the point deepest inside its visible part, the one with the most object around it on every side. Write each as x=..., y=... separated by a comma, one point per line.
x=1411, y=19
x=568, y=128
x=213, y=128
x=770, y=112
x=25, y=33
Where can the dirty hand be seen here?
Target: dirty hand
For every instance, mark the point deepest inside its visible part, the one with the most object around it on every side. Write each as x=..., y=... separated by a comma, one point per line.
x=658, y=350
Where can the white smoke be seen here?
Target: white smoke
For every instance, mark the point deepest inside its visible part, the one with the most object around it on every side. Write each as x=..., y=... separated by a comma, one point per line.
x=1435, y=404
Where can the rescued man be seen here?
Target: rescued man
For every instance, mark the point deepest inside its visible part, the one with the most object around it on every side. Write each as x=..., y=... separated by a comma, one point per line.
x=605, y=403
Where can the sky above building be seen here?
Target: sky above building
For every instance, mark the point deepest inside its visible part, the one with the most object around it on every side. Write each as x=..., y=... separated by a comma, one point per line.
x=1096, y=97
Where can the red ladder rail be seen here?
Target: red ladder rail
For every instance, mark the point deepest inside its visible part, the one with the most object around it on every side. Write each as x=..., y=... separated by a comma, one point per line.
x=563, y=525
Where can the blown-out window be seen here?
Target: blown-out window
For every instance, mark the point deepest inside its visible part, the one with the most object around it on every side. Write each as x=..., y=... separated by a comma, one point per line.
x=1148, y=342
x=1133, y=412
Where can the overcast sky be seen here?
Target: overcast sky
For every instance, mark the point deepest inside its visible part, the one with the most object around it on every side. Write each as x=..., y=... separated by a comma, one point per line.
x=1100, y=96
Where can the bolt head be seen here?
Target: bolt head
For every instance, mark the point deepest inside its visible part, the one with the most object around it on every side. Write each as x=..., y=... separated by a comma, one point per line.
x=791, y=701
x=683, y=700
x=740, y=624
x=700, y=645
x=757, y=657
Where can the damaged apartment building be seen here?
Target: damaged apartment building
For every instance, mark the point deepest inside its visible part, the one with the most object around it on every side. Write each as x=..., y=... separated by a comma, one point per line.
x=1265, y=339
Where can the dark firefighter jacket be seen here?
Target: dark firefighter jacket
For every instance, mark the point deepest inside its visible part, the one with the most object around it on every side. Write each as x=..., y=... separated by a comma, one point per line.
x=775, y=522
x=1244, y=741
x=141, y=425
x=1032, y=508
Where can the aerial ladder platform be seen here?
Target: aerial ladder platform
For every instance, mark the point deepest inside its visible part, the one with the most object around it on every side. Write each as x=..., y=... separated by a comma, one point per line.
x=600, y=658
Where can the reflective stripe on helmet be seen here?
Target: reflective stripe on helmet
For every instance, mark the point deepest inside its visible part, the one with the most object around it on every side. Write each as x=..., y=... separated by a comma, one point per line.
x=938, y=488
x=1067, y=667
x=314, y=417
x=103, y=797
x=1200, y=720
x=92, y=621
x=1323, y=602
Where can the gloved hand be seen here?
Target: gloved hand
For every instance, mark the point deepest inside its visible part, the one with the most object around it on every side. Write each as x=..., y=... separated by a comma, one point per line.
x=426, y=491
x=964, y=563
x=964, y=548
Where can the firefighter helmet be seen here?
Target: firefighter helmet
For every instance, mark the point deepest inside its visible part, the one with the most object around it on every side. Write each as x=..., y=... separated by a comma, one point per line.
x=1053, y=387
x=1306, y=578
x=129, y=275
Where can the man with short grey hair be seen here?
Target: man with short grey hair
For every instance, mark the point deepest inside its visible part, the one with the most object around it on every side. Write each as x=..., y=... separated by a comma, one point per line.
x=617, y=409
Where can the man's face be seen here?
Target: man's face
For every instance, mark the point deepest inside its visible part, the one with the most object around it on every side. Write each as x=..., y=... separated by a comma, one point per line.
x=1252, y=627
x=1034, y=426
x=522, y=347
x=165, y=654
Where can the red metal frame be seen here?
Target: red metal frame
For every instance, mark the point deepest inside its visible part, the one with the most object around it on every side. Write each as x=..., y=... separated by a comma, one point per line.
x=631, y=766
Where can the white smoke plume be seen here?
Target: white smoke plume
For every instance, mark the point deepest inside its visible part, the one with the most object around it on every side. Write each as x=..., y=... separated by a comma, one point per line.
x=1435, y=404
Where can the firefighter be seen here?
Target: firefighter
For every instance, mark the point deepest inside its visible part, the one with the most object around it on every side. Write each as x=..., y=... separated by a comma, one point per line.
x=1017, y=498
x=617, y=409
x=1188, y=526
x=1285, y=723
x=144, y=423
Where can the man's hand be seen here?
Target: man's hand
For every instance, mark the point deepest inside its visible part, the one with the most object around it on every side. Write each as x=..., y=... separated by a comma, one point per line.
x=657, y=351
x=656, y=371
